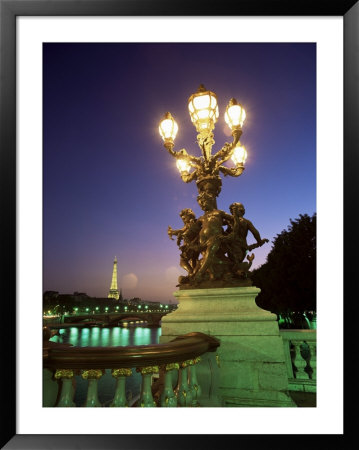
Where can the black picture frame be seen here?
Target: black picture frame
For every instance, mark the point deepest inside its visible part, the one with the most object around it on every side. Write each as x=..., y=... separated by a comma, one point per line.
x=9, y=10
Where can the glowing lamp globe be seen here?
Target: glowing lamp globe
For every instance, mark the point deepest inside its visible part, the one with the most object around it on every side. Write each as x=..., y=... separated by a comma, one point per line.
x=239, y=155
x=168, y=128
x=182, y=165
x=203, y=109
x=235, y=114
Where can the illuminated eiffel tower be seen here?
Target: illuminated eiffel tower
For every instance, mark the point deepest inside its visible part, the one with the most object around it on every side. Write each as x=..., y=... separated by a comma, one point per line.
x=113, y=289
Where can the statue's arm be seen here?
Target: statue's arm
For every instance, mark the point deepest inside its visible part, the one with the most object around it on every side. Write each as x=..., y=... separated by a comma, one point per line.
x=174, y=232
x=228, y=219
x=256, y=234
x=171, y=232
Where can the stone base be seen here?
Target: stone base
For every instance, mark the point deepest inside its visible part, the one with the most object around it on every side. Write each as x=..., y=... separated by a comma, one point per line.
x=252, y=368
x=269, y=399
x=303, y=385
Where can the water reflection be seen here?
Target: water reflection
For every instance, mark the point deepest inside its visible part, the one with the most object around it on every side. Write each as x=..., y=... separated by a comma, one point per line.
x=74, y=331
x=142, y=336
x=107, y=337
x=102, y=337
x=84, y=337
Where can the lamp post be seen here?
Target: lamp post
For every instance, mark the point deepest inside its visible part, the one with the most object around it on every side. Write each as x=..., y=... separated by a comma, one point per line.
x=203, y=110
x=213, y=246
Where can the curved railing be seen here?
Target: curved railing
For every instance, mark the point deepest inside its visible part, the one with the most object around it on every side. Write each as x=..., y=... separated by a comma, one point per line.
x=182, y=354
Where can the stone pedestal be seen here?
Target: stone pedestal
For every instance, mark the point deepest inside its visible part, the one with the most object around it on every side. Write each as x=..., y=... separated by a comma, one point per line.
x=249, y=367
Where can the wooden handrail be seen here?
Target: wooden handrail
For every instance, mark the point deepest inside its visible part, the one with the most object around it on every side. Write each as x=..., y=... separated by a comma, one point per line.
x=182, y=348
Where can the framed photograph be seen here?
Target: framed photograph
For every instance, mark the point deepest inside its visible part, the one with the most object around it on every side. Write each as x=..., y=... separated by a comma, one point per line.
x=65, y=163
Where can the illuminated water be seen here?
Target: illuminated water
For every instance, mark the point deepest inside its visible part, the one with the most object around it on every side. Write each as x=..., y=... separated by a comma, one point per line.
x=104, y=337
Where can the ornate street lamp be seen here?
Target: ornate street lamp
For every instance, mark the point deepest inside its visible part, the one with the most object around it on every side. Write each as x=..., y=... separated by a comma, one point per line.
x=239, y=155
x=168, y=129
x=235, y=115
x=214, y=246
x=203, y=110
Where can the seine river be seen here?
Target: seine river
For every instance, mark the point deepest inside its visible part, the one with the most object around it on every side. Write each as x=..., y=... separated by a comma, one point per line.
x=104, y=337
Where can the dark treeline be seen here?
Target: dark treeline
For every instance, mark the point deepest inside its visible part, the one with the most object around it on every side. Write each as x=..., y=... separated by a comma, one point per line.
x=288, y=277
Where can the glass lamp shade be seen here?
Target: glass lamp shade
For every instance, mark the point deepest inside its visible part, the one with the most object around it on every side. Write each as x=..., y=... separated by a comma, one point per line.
x=182, y=165
x=168, y=128
x=239, y=155
x=203, y=109
x=235, y=114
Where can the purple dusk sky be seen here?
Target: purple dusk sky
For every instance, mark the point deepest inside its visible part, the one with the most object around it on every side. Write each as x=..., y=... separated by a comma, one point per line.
x=111, y=189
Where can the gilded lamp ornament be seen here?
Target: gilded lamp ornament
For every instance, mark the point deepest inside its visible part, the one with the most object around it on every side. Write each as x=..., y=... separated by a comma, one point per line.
x=206, y=243
x=168, y=129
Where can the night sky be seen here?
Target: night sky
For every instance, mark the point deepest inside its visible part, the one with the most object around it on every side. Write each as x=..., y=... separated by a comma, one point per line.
x=110, y=188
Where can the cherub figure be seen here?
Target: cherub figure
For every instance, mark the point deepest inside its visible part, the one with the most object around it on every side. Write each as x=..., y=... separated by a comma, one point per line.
x=236, y=239
x=189, y=236
x=210, y=237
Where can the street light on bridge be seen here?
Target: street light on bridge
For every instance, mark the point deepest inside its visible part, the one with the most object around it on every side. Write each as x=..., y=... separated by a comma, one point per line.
x=211, y=255
x=203, y=110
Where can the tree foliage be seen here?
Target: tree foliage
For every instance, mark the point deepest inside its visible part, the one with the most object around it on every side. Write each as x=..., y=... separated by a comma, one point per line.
x=288, y=278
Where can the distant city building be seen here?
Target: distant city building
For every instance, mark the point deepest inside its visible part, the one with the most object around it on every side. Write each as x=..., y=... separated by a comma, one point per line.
x=134, y=301
x=55, y=303
x=50, y=295
x=79, y=297
x=114, y=293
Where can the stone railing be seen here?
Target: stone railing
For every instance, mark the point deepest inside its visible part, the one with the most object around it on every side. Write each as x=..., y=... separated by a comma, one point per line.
x=300, y=349
x=168, y=371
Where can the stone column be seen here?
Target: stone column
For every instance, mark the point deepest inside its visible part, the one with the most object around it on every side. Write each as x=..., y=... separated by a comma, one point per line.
x=251, y=357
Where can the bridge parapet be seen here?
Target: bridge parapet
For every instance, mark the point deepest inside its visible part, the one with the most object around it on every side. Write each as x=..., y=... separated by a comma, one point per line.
x=161, y=361
x=300, y=350
x=112, y=319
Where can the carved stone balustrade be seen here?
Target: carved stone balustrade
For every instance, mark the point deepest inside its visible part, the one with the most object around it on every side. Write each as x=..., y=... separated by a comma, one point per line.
x=159, y=362
x=300, y=349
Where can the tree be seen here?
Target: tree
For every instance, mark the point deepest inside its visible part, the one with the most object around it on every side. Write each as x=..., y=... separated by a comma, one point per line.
x=288, y=278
